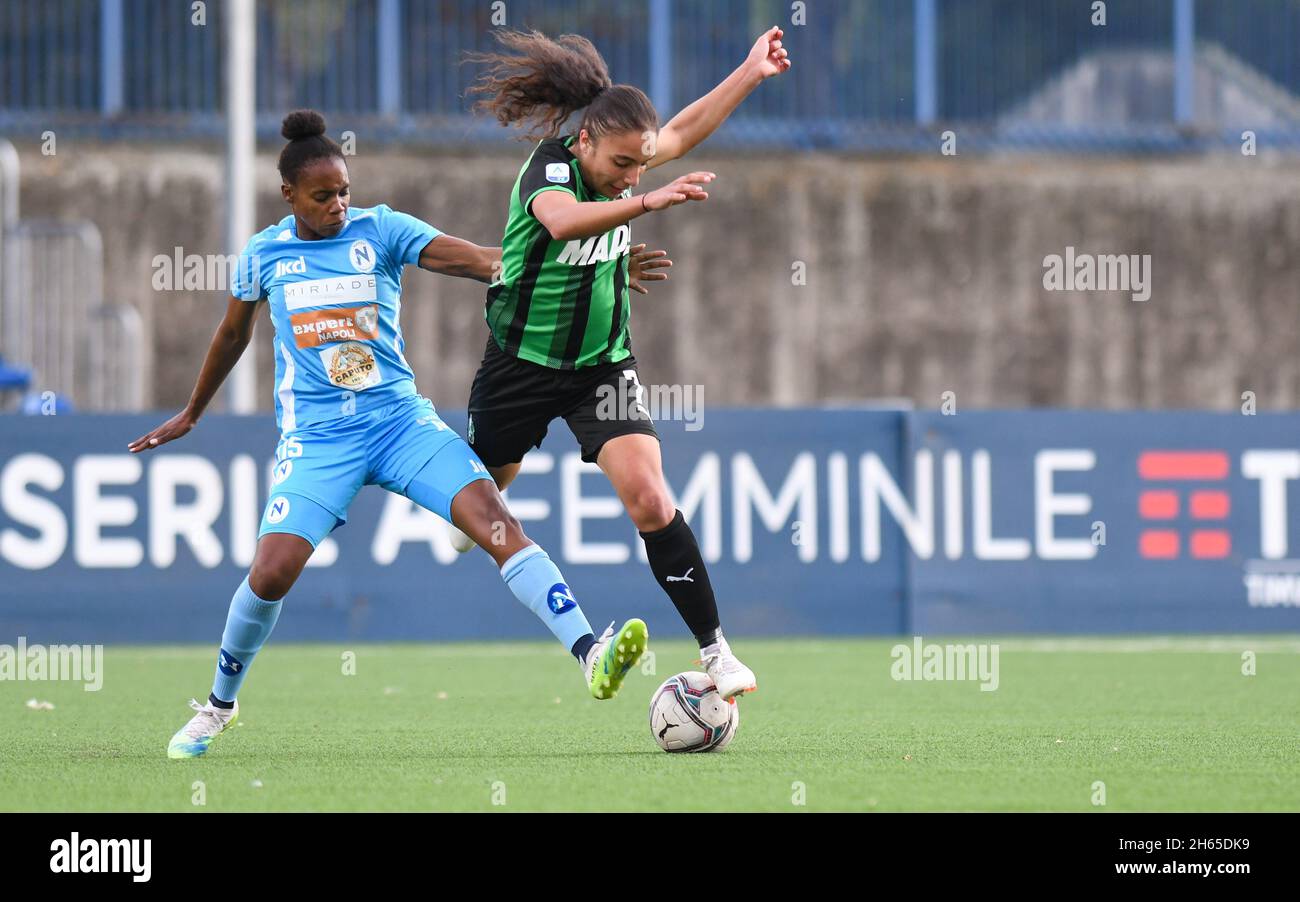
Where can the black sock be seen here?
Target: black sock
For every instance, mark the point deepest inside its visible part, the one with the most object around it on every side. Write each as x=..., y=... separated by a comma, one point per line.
x=676, y=562
x=218, y=703
x=582, y=646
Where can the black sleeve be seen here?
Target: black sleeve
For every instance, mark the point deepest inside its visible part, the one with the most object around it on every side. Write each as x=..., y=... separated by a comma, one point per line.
x=550, y=167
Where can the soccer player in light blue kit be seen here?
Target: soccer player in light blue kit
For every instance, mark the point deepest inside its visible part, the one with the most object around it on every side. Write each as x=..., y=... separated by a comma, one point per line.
x=350, y=415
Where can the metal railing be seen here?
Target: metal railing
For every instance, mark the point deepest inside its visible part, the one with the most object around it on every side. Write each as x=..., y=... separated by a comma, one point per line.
x=54, y=321
x=116, y=343
x=868, y=72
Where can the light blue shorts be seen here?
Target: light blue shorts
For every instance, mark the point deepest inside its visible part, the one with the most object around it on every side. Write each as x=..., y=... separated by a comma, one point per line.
x=320, y=469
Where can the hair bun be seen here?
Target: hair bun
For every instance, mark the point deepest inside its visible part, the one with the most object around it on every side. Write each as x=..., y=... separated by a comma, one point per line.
x=302, y=124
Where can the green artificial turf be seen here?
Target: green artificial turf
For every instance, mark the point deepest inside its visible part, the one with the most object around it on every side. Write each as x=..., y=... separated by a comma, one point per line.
x=1165, y=724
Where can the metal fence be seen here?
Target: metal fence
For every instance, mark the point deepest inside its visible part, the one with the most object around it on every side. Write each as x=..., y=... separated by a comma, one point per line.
x=79, y=349
x=72, y=347
x=868, y=73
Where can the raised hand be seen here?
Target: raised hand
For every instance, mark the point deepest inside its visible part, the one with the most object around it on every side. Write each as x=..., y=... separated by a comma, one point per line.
x=679, y=191
x=767, y=57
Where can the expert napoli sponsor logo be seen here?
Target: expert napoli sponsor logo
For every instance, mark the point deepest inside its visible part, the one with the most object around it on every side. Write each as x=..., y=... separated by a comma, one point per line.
x=320, y=327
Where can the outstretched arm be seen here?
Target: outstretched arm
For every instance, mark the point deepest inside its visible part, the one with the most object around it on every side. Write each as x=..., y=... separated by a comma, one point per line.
x=452, y=256
x=228, y=344
x=699, y=120
x=566, y=218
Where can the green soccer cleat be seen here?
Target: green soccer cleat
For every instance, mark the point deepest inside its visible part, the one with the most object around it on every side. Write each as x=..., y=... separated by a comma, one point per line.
x=613, y=656
x=193, y=739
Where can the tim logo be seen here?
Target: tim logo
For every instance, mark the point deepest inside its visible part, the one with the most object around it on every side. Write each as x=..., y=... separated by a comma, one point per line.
x=560, y=599
x=1181, y=488
x=291, y=267
x=228, y=664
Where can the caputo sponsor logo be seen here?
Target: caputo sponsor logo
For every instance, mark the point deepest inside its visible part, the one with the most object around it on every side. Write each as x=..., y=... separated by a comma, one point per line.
x=351, y=365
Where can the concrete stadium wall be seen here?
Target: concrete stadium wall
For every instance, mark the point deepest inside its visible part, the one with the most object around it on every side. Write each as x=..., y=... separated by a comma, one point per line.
x=922, y=275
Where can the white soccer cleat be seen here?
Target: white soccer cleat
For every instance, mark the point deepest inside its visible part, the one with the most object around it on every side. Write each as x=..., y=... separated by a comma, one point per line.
x=193, y=739
x=459, y=540
x=732, y=678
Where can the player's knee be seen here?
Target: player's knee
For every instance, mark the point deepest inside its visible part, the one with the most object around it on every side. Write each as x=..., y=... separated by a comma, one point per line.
x=503, y=475
x=271, y=578
x=650, y=508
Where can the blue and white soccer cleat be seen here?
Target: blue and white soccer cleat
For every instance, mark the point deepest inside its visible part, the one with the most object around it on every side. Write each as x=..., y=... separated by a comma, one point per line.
x=193, y=739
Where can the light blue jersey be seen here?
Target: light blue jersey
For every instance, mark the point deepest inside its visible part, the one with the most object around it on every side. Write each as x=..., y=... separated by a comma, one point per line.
x=335, y=303
x=350, y=416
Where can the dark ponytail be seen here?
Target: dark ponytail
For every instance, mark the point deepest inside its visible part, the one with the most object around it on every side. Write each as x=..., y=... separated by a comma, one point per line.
x=305, y=132
x=544, y=81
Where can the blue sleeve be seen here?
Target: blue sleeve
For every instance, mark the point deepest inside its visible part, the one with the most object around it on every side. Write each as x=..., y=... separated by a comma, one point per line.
x=405, y=236
x=246, y=280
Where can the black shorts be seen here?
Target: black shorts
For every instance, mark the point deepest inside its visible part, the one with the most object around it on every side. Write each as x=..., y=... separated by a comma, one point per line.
x=513, y=402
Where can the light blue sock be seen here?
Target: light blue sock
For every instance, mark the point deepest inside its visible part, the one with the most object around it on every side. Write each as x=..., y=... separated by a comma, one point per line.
x=538, y=584
x=248, y=625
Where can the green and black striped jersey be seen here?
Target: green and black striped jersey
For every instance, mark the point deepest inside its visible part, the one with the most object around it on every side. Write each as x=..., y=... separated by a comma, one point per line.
x=561, y=304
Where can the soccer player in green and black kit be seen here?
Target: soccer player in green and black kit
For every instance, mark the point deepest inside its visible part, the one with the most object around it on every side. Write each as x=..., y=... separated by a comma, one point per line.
x=558, y=312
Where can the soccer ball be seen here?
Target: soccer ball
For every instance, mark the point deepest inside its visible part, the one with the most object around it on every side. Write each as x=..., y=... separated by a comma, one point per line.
x=688, y=715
